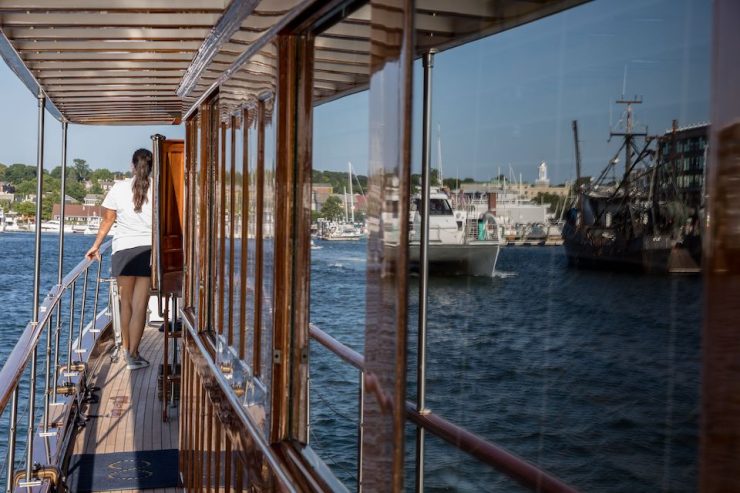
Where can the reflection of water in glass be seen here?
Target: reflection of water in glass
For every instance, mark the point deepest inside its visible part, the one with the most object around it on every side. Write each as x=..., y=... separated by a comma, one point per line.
x=591, y=375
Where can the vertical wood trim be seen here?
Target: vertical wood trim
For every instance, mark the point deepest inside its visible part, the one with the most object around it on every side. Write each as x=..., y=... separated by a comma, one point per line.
x=199, y=436
x=221, y=218
x=283, y=251
x=258, y=256
x=390, y=99
x=719, y=458
x=292, y=238
x=232, y=218
x=188, y=211
x=203, y=213
x=245, y=236
x=302, y=268
x=227, y=462
x=212, y=205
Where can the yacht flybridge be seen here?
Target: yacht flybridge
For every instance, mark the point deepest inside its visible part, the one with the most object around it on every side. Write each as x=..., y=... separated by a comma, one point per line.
x=228, y=410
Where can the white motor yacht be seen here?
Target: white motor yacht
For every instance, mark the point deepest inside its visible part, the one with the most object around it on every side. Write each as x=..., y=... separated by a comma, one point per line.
x=460, y=242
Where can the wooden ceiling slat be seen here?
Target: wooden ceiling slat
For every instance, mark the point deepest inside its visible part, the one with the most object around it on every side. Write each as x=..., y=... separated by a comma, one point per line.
x=110, y=57
x=63, y=88
x=111, y=19
x=97, y=65
x=143, y=93
x=113, y=74
x=213, y=6
x=100, y=81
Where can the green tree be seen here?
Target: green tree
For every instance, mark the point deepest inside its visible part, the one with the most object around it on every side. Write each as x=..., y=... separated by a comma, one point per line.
x=332, y=208
x=81, y=169
x=76, y=190
x=57, y=173
x=101, y=174
x=2, y=171
x=96, y=188
x=26, y=187
x=26, y=209
x=553, y=200
x=18, y=173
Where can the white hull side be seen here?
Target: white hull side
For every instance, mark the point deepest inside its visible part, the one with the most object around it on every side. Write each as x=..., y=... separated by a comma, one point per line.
x=472, y=259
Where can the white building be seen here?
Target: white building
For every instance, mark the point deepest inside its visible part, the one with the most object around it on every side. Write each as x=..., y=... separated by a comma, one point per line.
x=542, y=179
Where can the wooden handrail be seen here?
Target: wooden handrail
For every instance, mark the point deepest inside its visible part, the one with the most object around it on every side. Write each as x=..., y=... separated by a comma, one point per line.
x=490, y=454
x=13, y=369
x=348, y=355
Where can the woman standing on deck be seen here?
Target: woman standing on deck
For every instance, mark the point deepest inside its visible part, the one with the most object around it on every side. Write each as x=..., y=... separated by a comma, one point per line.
x=129, y=205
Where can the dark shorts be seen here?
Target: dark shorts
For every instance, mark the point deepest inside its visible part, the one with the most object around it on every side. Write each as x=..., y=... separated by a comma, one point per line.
x=135, y=261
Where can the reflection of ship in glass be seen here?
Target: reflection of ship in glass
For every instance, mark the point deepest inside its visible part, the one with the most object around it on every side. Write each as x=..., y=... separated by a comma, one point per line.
x=636, y=221
x=460, y=243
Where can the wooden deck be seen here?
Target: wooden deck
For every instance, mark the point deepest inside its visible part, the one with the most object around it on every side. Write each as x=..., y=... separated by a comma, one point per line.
x=128, y=416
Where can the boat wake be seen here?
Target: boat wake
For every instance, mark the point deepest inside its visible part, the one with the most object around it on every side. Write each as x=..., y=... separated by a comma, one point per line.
x=503, y=275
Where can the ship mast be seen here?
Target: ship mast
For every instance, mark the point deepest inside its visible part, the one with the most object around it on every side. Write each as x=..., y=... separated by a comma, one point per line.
x=628, y=135
x=578, y=152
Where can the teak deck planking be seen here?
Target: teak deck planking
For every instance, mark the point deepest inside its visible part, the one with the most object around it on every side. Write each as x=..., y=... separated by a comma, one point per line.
x=128, y=416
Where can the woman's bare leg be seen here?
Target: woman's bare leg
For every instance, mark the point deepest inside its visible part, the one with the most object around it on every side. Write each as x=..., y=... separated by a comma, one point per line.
x=139, y=303
x=126, y=292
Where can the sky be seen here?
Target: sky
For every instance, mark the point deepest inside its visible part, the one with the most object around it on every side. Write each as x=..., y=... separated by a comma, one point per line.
x=504, y=103
x=509, y=99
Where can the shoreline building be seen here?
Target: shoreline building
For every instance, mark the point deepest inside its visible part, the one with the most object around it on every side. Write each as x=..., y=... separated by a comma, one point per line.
x=685, y=149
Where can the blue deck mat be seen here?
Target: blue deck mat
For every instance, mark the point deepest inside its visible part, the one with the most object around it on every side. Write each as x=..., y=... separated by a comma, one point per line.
x=123, y=471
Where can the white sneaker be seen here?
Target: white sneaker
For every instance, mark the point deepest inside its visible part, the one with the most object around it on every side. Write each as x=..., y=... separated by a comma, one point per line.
x=135, y=362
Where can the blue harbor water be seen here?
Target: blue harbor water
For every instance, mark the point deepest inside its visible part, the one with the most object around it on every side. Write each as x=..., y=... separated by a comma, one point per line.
x=593, y=376
x=16, y=293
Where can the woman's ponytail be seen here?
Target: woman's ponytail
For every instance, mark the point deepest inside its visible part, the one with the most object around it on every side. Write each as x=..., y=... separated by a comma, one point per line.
x=142, y=161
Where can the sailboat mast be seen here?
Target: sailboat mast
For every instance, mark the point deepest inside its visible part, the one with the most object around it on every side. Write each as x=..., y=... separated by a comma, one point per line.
x=345, y=205
x=351, y=195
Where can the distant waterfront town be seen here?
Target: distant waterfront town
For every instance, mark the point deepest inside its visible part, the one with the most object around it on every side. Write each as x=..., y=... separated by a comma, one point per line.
x=333, y=199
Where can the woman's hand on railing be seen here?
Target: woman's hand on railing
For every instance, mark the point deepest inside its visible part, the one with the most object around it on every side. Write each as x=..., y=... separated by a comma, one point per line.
x=93, y=253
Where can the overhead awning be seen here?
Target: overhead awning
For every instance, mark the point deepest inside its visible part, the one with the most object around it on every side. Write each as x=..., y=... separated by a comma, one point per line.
x=148, y=61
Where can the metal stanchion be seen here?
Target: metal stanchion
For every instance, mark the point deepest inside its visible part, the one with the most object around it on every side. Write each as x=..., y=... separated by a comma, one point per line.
x=71, y=326
x=360, y=431
x=60, y=260
x=11, y=442
x=36, y=282
x=82, y=312
x=94, y=328
x=428, y=62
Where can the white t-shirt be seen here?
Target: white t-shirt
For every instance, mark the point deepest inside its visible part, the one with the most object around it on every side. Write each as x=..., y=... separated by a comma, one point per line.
x=133, y=228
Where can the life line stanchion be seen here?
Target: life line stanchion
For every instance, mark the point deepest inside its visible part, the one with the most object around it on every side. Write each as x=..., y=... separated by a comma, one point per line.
x=115, y=315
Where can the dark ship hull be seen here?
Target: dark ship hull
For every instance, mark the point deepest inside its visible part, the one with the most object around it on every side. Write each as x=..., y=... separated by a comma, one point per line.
x=638, y=222
x=651, y=254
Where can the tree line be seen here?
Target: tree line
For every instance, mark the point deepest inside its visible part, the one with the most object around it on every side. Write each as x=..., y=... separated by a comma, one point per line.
x=20, y=178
